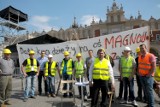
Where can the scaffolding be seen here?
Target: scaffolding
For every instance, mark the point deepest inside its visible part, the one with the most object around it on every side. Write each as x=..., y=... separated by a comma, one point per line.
x=10, y=23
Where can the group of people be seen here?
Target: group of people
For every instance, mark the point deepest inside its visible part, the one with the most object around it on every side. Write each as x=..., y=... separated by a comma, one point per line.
x=97, y=70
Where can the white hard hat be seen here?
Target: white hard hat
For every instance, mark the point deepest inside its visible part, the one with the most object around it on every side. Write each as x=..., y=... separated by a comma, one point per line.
x=50, y=56
x=127, y=49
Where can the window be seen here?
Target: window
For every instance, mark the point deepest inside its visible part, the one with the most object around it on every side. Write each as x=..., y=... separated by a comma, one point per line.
x=157, y=37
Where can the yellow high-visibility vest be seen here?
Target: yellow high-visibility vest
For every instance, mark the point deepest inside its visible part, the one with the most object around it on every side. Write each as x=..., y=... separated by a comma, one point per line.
x=157, y=74
x=53, y=68
x=126, y=66
x=101, y=70
x=30, y=68
x=69, y=67
x=79, y=67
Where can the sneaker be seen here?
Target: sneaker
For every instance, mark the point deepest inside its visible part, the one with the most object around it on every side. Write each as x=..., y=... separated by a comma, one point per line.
x=134, y=103
x=33, y=97
x=138, y=99
x=48, y=95
x=124, y=102
x=70, y=95
x=25, y=99
x=64, y=95
x=53, y=95
x=85, y=98
x=7, y=103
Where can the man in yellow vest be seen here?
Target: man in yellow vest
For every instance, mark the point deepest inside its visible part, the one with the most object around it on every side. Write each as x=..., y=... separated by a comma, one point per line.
x=127, y=70
x=67, y=67
x=50, y=69
x=80, y=74
x=156, y=84
x=30, y=68
x=99, y=74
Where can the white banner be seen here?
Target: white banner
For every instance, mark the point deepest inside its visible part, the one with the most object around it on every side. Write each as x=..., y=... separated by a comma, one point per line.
x=112, y=43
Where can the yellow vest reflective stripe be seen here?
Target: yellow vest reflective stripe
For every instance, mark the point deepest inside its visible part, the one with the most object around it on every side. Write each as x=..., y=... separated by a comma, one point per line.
x=79, y=67
x=30, y=68
x=101, y=70
x=69, y=67
x=157, y=74
x=53, y=68
x=127, y=66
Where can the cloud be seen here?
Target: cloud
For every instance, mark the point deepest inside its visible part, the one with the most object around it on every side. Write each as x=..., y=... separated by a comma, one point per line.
x=41, y=23
x=158, y=5
x=87, y=19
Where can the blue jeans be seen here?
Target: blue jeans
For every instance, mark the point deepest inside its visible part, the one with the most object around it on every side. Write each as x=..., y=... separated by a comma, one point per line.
x=50, y=84
x=30, y=84
x=130, y=84
x=67, y=77
x=147, y=85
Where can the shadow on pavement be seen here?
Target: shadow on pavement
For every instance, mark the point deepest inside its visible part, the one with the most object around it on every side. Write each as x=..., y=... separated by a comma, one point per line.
x=17, y=94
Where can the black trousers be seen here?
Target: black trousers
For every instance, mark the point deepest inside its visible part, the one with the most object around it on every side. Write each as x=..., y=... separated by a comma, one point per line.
x=97, y=86
x=120, y=89
x=40, y=76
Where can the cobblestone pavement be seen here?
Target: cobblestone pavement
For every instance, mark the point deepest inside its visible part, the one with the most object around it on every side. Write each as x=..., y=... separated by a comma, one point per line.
x=44, y=101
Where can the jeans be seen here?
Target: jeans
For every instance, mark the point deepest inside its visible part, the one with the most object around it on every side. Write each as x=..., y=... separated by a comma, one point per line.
x=30, y=84
x=67, y=77
x=130, y=84
x=50, y=84
x=147, y=85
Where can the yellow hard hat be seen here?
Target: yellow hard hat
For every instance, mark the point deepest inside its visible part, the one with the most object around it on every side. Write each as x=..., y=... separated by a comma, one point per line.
x=31, y=52
x=137, y=49
x=66, y=53
x=7, y=51
x=78, y=55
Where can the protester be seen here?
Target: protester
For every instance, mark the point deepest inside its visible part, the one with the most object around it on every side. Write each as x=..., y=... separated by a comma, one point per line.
x=30, y=68
x=51, y=67
x=89, y=61
x=6, y=70
x=139, y=93
x=146, y=69
x=42, y=59
x=80, y=74
x=67, y=67
x=99, y=73
x=127, y=71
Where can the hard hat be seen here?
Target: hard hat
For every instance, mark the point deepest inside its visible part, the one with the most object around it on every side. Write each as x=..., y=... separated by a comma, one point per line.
x=31, y=52
x=137, y=49
x=127, y=49
x=66, y=53
x=50, y=56
x=78, y=55
x=6, y=51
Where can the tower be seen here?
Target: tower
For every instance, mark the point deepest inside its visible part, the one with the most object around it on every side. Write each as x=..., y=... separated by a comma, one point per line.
x=10, y=24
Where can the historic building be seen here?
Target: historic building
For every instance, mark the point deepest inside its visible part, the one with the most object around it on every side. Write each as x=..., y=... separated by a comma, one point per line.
x=115, y=22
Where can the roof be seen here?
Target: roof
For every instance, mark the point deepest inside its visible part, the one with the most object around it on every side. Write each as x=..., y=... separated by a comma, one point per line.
x=13, y=14
x=43, y=39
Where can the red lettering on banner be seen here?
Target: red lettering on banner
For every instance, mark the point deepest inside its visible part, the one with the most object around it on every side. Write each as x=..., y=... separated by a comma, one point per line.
x=129, y=39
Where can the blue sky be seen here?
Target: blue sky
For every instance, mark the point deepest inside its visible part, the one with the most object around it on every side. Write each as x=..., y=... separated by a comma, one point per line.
x=56, y=14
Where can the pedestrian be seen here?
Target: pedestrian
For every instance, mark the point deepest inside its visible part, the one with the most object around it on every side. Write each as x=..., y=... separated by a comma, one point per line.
x=139, y=93
x=127, y=71
x=146, y=69
x=80, y=74
x=42, y=60
x=67, y=67
x=89, y=61
x=99, y=73
x=30, y=68
x=51, y=67
x=6, y=70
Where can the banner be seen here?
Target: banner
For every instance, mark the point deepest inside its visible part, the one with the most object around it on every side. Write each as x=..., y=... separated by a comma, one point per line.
x=113, y=44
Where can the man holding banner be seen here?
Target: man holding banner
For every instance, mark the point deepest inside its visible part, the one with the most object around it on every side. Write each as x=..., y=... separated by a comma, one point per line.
x=67, y=67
